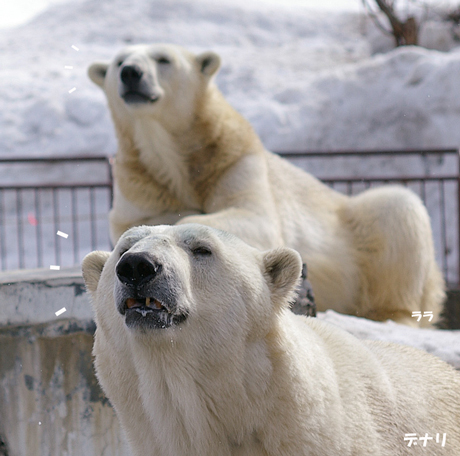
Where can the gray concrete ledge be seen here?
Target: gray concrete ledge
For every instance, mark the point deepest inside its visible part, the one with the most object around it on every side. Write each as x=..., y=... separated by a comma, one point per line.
x=40, y=275
x=33, y=296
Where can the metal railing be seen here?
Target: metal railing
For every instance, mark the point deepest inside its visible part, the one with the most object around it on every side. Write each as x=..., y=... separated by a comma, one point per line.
x=39, y=197
x=73, y=195
x=433, y=174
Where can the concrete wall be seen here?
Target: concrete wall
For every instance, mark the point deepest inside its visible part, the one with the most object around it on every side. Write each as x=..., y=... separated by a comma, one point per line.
x=50, y=401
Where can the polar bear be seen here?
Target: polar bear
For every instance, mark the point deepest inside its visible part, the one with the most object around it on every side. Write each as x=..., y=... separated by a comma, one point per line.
x=185, y=155
x=198, y=353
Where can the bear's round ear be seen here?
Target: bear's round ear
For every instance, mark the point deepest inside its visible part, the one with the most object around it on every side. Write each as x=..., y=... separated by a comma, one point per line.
x=282, y=267
x=92, y=267
x=97, y=72
x=208, y=63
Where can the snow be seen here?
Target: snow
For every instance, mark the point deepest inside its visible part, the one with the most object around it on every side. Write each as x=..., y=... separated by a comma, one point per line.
x=307, y=78
x=440, y=343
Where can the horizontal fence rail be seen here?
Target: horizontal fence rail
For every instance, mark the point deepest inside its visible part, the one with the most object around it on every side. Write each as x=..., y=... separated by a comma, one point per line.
x=434, y=175
x=74, y=200
x=39, y=197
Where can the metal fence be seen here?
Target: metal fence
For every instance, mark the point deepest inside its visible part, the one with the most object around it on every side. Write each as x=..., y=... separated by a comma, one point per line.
x=39, y=197
x=432, y=174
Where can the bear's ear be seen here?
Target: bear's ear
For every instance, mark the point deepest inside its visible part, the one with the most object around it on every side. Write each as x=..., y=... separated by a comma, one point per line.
x=92, y=266
x=208, y=63
x=282, y=267
x=97, y=72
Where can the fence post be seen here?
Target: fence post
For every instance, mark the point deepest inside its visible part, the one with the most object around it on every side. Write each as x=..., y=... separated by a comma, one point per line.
x=458, y=214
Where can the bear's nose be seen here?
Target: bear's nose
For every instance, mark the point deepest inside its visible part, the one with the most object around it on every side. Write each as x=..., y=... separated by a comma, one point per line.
x=136, y=269
x=131, y=74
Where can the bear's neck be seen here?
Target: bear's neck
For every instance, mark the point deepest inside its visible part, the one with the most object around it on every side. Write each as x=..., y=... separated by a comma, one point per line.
x=201, y=394
x=190, y=156
x=203, y=401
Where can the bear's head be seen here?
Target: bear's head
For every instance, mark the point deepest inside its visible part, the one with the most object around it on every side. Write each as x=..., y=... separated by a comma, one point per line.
x=189, y=277
x=154, y=80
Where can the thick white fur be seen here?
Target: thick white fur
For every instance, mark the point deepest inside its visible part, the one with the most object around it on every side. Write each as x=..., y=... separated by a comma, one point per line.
x=242, y=376
x=189, y=157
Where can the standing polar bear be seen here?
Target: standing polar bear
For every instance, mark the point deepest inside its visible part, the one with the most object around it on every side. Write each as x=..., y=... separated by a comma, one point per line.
x=199, y=355
x=185, y=155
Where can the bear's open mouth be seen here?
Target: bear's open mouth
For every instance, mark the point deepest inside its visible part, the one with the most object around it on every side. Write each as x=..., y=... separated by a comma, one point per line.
x=147, y=302
x=138, y=97
x=150, y=313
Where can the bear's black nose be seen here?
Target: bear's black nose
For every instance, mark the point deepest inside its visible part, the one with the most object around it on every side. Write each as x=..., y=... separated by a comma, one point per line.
x=131, y=74
x=136, y=269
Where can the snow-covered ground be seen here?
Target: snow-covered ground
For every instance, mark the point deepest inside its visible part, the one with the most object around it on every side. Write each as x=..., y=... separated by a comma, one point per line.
x=443, y=344
x=307, y=78
x=275, y=50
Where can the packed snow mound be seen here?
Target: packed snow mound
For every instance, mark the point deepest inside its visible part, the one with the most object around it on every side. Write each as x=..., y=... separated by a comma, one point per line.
x=407, y=98
x=441, y=343
x=305, y=79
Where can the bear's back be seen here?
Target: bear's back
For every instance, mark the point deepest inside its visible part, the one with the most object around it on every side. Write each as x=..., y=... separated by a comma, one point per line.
x=407, y=390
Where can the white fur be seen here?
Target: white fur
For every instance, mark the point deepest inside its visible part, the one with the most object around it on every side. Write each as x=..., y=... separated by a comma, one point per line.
x=168, y=166
x=242, y=376
x=371, y=255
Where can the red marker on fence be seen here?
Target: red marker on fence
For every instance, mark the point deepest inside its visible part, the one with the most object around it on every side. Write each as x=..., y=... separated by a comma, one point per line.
x=31, y=219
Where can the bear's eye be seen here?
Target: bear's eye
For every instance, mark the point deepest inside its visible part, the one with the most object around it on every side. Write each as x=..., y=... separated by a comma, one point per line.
x=201, y=251
x=119, y=63
x=163, y=60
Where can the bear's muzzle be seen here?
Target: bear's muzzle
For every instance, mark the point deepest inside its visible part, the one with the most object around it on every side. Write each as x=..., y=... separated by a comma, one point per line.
x=143, y=295
x=135, y=85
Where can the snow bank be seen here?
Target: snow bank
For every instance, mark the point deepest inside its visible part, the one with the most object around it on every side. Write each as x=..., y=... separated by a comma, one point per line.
x=305, y=79
x=271, y=56
x=441, y=343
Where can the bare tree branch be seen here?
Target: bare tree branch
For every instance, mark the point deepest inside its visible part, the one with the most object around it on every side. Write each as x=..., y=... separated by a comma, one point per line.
x=404, y=32
x=375, y=18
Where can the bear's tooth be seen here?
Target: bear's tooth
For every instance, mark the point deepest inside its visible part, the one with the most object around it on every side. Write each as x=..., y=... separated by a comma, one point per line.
x=147, y=301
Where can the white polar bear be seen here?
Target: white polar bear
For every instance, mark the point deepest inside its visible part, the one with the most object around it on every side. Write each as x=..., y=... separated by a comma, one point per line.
x=185, y=155
x=199, y=355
